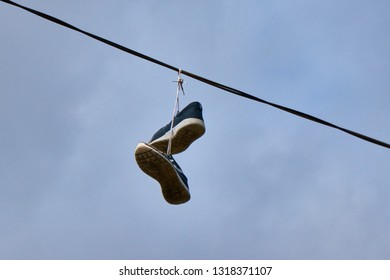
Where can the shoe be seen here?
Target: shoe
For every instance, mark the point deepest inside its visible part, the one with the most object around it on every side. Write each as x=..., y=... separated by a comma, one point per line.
x=166, y=171
x=188, y=125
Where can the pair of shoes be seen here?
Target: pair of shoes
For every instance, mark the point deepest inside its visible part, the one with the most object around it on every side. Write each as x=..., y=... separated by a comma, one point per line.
x=152, y=158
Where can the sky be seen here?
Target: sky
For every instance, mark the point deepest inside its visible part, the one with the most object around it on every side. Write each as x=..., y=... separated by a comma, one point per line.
x=264, y=184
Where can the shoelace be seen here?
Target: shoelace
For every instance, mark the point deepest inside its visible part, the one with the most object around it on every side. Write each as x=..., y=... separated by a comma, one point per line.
x=175, y=110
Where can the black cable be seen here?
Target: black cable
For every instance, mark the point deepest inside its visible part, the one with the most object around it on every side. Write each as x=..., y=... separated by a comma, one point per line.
x=199, y=78
x=286, y=109
x=110, y=43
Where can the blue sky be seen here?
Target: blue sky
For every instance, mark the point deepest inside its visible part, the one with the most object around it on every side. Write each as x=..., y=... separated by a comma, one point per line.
x=264, y=184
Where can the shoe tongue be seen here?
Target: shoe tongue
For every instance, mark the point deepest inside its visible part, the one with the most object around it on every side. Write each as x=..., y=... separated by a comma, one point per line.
x=172, y=160
x=170, y=157
x=178, y=169
x=174, y=163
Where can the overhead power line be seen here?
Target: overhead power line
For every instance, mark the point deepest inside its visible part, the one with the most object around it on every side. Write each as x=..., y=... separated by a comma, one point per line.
x=199, y=78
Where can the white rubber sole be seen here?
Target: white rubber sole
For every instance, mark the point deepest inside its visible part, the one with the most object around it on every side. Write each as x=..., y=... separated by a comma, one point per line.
x=154, y=164
x=184, y=133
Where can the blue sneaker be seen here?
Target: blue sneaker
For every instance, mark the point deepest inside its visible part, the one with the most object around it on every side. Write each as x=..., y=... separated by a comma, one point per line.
x=188, y=125
x=164, y=169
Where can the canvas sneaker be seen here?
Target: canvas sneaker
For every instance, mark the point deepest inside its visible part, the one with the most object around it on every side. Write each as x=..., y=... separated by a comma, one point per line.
x=164, y=169
x=188, y=125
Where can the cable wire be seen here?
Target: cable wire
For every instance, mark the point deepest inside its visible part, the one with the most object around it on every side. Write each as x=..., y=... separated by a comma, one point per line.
x=199, y=78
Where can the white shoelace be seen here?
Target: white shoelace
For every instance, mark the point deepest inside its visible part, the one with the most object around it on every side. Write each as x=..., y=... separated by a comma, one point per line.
x=175, y=109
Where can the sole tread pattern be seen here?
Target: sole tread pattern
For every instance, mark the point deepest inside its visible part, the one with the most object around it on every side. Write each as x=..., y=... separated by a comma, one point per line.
x=159, y=168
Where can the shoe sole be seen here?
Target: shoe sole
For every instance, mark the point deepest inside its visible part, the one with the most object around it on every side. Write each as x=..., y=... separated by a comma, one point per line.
x=184, y=133
x=159, y=168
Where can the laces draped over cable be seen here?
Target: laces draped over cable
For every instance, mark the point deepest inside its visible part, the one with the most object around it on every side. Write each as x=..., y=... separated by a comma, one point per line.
x=176, y=108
